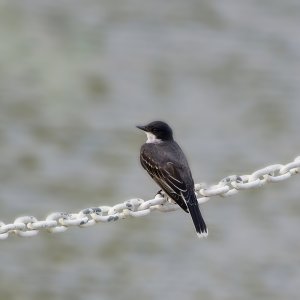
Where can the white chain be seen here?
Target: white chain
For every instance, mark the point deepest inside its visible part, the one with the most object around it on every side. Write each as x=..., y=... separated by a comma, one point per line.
x=27, y=226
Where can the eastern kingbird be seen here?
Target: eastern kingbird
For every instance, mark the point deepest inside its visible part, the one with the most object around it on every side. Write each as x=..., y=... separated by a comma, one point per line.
x=165, y=162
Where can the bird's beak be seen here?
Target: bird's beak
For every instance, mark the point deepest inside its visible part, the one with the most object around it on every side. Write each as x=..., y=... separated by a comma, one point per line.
x=141, y=127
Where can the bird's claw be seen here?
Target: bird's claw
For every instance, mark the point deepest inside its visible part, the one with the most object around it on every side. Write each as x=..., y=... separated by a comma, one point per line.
x=160, y=193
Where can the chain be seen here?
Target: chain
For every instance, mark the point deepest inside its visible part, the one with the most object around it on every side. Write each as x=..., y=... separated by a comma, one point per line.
x=27, y=226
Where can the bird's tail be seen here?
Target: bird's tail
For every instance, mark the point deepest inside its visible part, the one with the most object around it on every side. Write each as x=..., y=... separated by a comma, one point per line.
x=197, y=218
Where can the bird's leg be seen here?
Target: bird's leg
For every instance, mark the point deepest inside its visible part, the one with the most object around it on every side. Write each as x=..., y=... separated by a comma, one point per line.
x=160, y=193
x=165, y=196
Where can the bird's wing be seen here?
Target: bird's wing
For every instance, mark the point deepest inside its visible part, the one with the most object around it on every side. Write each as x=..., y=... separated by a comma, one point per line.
x=176, y=180
x=167, y=177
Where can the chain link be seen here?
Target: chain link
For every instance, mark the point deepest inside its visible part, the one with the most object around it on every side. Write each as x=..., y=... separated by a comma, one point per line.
x=27, y=226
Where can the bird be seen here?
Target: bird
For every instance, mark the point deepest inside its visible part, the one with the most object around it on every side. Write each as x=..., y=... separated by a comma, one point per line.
x=167, y=165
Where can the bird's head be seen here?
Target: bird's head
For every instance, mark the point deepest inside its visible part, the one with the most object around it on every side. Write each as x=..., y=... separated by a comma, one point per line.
x=157, y=131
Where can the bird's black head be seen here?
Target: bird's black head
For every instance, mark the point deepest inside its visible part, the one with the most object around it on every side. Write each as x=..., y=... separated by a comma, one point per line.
x=160, y=130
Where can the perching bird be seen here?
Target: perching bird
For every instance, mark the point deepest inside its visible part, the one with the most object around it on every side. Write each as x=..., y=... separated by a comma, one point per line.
x=165, y=162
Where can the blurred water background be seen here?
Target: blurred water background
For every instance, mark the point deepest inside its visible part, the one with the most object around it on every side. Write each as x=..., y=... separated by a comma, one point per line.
x=77, y=76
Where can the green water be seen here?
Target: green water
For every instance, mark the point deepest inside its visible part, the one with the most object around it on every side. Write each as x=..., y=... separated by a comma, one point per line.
x=75, y=79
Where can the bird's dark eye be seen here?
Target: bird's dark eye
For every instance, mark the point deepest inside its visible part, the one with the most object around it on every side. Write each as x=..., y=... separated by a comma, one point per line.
x=154, y=130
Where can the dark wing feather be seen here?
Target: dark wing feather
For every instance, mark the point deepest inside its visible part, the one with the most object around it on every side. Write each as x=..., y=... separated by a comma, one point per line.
x=170, y=171
x=167, y=177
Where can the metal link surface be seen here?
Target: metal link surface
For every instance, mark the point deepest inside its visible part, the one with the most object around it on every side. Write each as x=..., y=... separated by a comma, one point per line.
x=27, y=226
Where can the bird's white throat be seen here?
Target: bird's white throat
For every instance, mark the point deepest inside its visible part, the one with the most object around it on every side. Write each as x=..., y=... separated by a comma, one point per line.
x=151, y=138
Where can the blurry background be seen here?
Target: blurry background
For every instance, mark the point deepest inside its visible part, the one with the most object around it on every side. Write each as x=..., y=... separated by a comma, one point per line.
x=77, y=76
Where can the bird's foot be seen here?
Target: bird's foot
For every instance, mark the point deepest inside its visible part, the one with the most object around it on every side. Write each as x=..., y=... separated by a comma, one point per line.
x=160, y=193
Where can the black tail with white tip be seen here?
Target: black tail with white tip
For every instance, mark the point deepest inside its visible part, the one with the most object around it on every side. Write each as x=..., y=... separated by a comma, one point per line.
x=197, y=218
